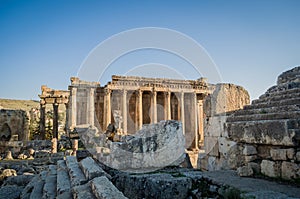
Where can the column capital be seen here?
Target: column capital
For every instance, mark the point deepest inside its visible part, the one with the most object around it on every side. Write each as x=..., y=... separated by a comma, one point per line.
x=107, y=91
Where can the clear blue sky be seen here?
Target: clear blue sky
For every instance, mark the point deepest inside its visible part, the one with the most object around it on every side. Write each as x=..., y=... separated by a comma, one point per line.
x=45, y=42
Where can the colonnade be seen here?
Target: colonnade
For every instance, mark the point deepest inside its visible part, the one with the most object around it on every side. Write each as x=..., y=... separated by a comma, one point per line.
x=195, y=110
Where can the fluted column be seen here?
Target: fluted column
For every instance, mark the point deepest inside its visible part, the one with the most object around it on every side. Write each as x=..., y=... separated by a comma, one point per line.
x=55, y=120
x=154, y=107
x=91, y=111
x=42, y=119
x=73, y=109
x=67, y=118
x=182, y=112
x=124, y=111
x=200, y=121
x=168, y=95
x=107, y=107
x=140, y=96
x=195, y=120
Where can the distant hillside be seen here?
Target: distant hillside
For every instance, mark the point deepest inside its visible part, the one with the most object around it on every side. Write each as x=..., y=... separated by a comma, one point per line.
x=26, y=105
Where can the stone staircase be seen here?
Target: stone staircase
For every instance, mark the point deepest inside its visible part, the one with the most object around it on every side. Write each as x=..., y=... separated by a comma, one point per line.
x=275, y=112
x=72, y=179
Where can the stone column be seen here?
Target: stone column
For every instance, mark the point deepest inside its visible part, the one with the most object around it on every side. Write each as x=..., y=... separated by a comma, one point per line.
x=107, y=108
x=91, y=110
x=73, y=109
x=124, y=111
x=42, y=119
x=54, y=145
x=140, y=96
x=67, y=118
x=55, y=120
x=154, y=107
x=168, y=106
x=200, y=121
x=182, y=112
x=195, y=120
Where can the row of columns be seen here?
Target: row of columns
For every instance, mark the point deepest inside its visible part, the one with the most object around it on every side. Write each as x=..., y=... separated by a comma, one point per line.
x=197, y=111
x=55, y=119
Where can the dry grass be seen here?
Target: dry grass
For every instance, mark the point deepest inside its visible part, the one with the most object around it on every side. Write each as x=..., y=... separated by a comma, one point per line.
x=26, y=105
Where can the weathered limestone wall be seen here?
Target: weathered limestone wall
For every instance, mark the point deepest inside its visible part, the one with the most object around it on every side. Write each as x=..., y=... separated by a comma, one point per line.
x=264, y=137
x=225, y=99
x=14, y=125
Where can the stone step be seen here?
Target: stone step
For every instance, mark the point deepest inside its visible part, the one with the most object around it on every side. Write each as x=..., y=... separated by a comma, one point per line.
x=49, y=190
x=104, y=189
x=91, y=169
x=277, y=97
x=63, y=188
x=273, y=104
x=277, y=109
x=284, y=92
x=267, y=116
x=76, y=175
x=37, y=191
x=83, y=192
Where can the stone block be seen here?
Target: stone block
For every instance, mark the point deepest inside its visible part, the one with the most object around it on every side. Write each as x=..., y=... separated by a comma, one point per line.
x=63, y=181
x=215, y=126
x=270, y=168
x=290, y=170
x=255, y=167
x=290, y=153
x=83, y=192
x=225, y=145
x=245, y=171
x=90, y=168
x=76, y=175
x=298, y=156
x=104, y=189
x=278, y=154
x=263, y=151
x=211, y=146
x=250, y=158
x=249, y=150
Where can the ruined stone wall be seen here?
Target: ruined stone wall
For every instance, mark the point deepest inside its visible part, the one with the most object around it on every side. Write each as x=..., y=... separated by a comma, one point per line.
x=14, y=125
x=264, y=137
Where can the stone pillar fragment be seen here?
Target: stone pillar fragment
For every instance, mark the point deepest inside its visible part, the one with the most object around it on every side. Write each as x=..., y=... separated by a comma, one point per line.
x=54, y=145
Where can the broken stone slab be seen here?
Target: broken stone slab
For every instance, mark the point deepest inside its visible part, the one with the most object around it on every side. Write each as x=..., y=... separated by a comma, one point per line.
x=76, y=175
x=104, y=189
x=63, y=180
x=90, y=168
x=83, y=192
x=10, y=191
x=49, y=190
x=37, y=191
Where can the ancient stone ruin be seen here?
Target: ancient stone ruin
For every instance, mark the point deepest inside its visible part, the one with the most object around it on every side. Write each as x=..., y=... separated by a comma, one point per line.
x=263, y=137
x=143, y=135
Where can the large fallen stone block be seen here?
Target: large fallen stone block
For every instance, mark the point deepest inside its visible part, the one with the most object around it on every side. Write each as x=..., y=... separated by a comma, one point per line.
x=76, y=175
x=153, y=147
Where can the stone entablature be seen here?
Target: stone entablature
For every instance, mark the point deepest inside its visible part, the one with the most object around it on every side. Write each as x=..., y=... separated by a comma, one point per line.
x=158, y=84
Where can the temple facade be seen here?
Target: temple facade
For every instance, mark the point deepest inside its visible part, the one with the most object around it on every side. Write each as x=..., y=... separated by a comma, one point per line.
x=131, y=102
